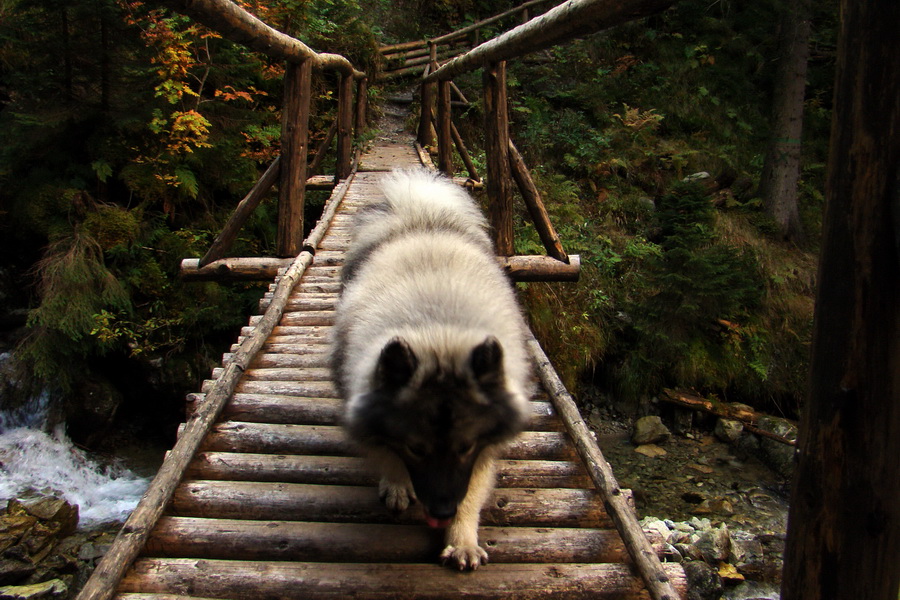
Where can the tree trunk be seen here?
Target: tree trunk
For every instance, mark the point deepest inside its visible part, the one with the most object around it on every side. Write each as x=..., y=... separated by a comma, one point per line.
x=844, y=523
x=781, y=170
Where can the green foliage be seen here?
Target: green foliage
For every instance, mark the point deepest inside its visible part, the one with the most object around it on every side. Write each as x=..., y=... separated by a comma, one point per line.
x=677, y=288
x=130, y=133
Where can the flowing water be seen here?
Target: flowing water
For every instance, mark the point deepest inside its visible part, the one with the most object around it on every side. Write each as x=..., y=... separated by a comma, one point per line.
x=34, y=462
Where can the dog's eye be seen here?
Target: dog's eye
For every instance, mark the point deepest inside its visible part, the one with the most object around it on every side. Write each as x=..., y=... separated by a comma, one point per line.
x=416, y=450
x=466, y=451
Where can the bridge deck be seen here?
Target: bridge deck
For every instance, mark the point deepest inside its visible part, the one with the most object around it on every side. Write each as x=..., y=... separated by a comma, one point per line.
x=276, y=504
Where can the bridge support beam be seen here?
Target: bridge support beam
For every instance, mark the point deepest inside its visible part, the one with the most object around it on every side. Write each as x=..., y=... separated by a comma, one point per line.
x=294, y=142
x=496, y=147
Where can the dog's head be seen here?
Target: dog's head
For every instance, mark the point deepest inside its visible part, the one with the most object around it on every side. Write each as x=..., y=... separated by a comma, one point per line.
x=438, y=419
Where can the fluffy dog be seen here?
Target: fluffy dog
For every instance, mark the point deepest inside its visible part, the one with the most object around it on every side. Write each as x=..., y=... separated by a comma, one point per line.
x=429, y=353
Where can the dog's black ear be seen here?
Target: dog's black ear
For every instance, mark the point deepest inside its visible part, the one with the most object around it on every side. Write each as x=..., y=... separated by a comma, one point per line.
x=396, y=364
x=486, y=362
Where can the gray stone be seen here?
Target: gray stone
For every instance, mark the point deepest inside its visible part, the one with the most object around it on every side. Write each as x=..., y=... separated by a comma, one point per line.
x=714, y=544
x=779, y=456
x=728, y=431
x=649, y=430
x=747, y=553
x=704, y=582
x=55, y=588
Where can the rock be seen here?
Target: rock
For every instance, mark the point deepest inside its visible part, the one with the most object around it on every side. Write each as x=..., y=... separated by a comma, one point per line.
x=649, y=430
x=704, y=582
x=53, y=509
x=714, y=544
x=55, y=588
x=15, y=570
x=651, y=450
x=652, y=524
x=728, y=431
x=747, y=553
x=779, y=456
x=754, y=590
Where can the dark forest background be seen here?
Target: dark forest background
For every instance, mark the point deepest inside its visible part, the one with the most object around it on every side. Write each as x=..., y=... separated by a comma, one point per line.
x=130, y=133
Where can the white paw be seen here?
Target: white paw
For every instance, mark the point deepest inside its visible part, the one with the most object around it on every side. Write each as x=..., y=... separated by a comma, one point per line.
x=464, y=557
x=396, y=497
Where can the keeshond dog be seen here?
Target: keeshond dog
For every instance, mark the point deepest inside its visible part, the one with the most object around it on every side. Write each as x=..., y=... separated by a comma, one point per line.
x=429, y=353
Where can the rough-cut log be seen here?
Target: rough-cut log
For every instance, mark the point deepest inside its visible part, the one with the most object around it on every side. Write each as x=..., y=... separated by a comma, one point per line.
x=322, y=150
x=570, y=19
x=541, y=268
x=844, y=523
x=356, y=504
x=476, y=26
x=535, y=205
x=278, y=438
x=404, y=46
x=238, y=25
x=361, y=107
x=619, y=509
x=424, y=135
x=243, y=580
x=233, y=539
x=444, y=125
x=496, y=147
x=720, y=409
x=464, y=153
x=294, y=148
x=345, y=128
x=233, y=269
x=134, y=533
x=241, y=213
x=519, y=268
x=351, y=470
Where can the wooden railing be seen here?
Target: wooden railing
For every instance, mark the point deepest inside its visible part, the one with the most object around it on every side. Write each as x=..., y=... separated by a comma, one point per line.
x=290, y=170
x=412, y=58
x=505, y=165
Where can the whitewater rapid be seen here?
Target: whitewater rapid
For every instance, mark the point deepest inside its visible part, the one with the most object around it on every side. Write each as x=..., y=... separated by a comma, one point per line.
x=34, y=462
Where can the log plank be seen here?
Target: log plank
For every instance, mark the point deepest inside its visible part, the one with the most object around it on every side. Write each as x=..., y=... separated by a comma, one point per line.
x=245, y=580
x=352, y=470
x=239, y=539
x=556, y=507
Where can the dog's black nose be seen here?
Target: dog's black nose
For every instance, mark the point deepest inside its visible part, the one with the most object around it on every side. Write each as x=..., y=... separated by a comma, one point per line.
x=442, y=510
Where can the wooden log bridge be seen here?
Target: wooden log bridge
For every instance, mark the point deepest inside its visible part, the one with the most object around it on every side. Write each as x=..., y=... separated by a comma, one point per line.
x=263, y=497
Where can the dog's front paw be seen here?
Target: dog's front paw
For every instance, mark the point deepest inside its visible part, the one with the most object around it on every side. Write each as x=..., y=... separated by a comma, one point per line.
x=464, y=557
x=397, y=497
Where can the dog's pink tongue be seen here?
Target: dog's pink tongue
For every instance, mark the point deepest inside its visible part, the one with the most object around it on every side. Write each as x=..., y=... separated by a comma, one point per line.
x=437, y=523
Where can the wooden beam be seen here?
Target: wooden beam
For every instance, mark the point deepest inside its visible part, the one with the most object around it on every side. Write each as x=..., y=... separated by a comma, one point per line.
x=238, y=25
x=843, y=538
x=541, y=268
x=445, y=136
x=154, y=578
x=137, y=528
x=496, y=147
x=658, y=581
x=427, y=94
x=476, y=26
x=241, y=213
x=569, y=20
x=345, y=128
x=535, y=205
x=294, y=149
x=464, y=153
x=361, y=107
x=322, y=150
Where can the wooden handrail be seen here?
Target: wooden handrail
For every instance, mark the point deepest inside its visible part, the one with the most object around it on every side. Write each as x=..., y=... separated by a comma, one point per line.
x=475, y=26
x=238, y=25
x=571, y=19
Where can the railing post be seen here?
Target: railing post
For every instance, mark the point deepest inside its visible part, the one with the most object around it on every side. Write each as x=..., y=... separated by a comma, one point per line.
x=294, y=142
x=362, y=99
x=424, y=135
x=496, y=142
x=345, y=125
x=444, y=134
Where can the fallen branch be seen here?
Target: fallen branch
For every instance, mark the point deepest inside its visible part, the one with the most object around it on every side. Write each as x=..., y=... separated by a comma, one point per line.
x=726, y=411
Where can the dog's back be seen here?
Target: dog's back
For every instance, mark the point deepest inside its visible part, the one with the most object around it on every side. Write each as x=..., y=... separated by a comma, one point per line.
x=428, y=351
